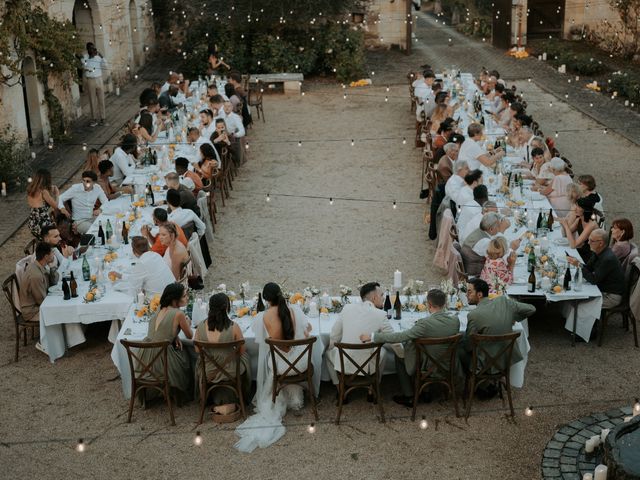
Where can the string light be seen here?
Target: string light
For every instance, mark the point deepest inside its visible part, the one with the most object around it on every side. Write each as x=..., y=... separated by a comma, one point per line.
x=81, y=446
x=84, y=147
x=395, y=205
x=423, y=423
x=528, y=411
x=197, y=441
x=353, y=143
x=331, y=201
x=299, y=143
x=404, y=140
x=311, y=428
x=50, y=144
x=268, y=198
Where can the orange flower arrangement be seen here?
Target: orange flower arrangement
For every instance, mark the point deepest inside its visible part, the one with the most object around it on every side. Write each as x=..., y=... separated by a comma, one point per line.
x=296, y=297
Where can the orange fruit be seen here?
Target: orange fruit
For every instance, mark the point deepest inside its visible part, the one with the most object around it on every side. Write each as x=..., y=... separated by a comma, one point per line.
x=557, y=289
x=324, y=310
x=89, y=297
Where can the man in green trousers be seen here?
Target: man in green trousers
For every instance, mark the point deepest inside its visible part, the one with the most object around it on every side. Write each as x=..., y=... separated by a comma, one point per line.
x=438, y=324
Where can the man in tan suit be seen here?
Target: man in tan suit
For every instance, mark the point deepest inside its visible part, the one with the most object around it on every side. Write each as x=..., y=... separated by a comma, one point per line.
x=354, y=319
x=36, y=281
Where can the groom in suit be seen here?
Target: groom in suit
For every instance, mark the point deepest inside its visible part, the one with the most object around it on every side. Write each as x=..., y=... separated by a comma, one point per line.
x=354, y=319
x=438, y=324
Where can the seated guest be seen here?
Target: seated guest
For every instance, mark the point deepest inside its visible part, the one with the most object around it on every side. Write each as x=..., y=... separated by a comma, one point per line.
x=354, y=319
x=588, y=185
x=182, y=169
x=471, y=180
x=104, y=180
x=165, y=325
x=160, y=217
x=473, y=223
x=35, y=283
x=207, y=126
x=187, y=199
x=603, y=269
x=578, y=225
x=62, y=254
x=456, y=138
x=443, y=133
x=219, y=328
x=526, y=137
x=456, y=181
x=473, y=153
x=503, y=113
x=83, y=198
x=621, y=234
x=149, y=127
x=492, y=317
x=180, y=216
x=208, y=165
x=233, y=99
x=150, y=272
x=216, y=104
x=497, y=269
x=438, y=324
x=176, y=255
x=220, y=137
x=540, y=168
x=235, y=79
x=472, y=208
x=539, y=142
x=168, y=100
x=556, y=192
x=123, y=158
x=474, y=248
x=236, y=131
x=445, y=172
x=191, y=150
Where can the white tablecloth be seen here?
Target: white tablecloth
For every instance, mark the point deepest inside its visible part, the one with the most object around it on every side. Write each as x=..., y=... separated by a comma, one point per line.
x=135, y=330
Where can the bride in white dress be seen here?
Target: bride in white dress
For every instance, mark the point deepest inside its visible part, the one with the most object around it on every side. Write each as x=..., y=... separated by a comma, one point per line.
x=282, y=322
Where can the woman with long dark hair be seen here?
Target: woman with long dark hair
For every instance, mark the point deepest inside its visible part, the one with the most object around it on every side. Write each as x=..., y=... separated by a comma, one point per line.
x=219, y=328
x=165, y=325
x=281, y=322
x=42, y=196
x=208, y=165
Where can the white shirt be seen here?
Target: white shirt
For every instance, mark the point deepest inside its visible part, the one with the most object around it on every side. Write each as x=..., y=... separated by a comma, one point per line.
x=83, y=202
x=182, y=216
x=151, y=274
x=470, y=150
x=164, y=87
x=472, y=224
x=93, y=66
x=465, y=196
x=123, y=165
x=453, y=186
x=234, y=125
x=207, y=131
x=466, y=212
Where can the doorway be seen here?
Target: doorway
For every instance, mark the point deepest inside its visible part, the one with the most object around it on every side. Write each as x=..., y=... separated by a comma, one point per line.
x=545, y=18
x=32, y=102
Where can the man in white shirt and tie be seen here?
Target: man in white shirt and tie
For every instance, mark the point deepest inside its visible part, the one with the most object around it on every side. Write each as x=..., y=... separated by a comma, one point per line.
x=83, y=198
x=150, y=272
x=354, y=319
x=123, y=158
x=94, y=66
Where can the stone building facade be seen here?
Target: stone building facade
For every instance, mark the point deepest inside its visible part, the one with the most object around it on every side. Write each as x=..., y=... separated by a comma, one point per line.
x=123, y=33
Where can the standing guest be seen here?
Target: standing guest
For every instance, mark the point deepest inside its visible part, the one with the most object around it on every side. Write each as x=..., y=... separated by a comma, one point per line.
x=497, y=269
x=176, y=255
x=35, y=283
x=150, y=272
x=160, y=217
x=123, y=158
x=219, y=328
x=235, y=79
x=165, y=325
x=93, y=158
x=621, y=234
x=42, y=196
x=236, y=131
x=182, y=169
x=83, y=198
x=187, y=199
x=220, y=137
x=603, y=269
x=181, y=216
x=438, y=324
x=354, y=319
x=472, y=152
x=557, y=191
x=94, y=67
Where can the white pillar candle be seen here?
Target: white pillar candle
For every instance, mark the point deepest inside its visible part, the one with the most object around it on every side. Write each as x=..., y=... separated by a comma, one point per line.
x=589, y=446
x=140, y=299
x=117, y=91
x=600, y=472
x=596, y=440
x=544, y=56
x=627, y=419
x=4, y=189
x=397, y=278
x=587, y=476
x=603, y=434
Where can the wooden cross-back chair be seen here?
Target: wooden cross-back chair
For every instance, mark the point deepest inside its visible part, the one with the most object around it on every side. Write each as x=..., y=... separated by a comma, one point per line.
x=254, y=96
x=231, y=381
x=491, y=362
x=294, y=373
x=440, y=369
x=624, y=309
x=146, y=377
x=11, y=290
x=362, y=377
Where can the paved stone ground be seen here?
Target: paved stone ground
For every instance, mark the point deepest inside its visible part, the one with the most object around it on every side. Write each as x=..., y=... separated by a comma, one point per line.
x=66, y=158
x=564, y=457
x=431, y=46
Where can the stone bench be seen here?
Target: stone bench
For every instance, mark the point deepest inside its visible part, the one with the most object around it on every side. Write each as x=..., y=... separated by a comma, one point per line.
x=291, y=82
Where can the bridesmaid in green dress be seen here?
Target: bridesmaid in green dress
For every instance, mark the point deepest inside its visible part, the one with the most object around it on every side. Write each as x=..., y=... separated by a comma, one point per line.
x=165, y=325
x=218, y=328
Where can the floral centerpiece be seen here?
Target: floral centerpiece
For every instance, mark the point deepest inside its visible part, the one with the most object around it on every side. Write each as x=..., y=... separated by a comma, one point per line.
x=345, y=291
x=149, y=308
x=413, y=287
x=244, y=289
x=92, y=295
x=222, y=288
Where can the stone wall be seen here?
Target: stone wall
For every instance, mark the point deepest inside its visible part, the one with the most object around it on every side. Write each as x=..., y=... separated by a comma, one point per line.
x=122, y=32
x=386, y=23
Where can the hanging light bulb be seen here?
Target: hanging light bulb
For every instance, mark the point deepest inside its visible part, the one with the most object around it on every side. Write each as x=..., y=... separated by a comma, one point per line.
x=388, y=85
x=423, y=423
x=197, y=441
x=29, y=180
x=299, y=143
x=246, y=146
x=311, y=428
x=344, y=96
x=386, y=99
x=331, y=201
x=528, y=411
x=352, y=143
x=404, y=140
x=84, y=147
x=556, y=134
x=605, y=131
x=50, y=144
x=395, y=205
x=81, y=447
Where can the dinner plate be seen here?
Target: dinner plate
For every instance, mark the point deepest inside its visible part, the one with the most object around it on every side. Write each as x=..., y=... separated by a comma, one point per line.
x=561, y=241
x=536, y=196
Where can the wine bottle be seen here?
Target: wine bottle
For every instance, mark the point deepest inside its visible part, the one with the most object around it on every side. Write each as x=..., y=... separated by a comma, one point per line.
x=531, y=284
x=550, y=220
x=65, y=289
x=567, y=280
x=260, y=304
x=539, y=221
x=73, y=286
x=387, y=305
x=86, y=269
x=125, y=233
x=108, y=230
x=101, y=239
x=577, y=283
x=155, y=154
x=149, y=194
x=531, y=261
x=397, y=306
